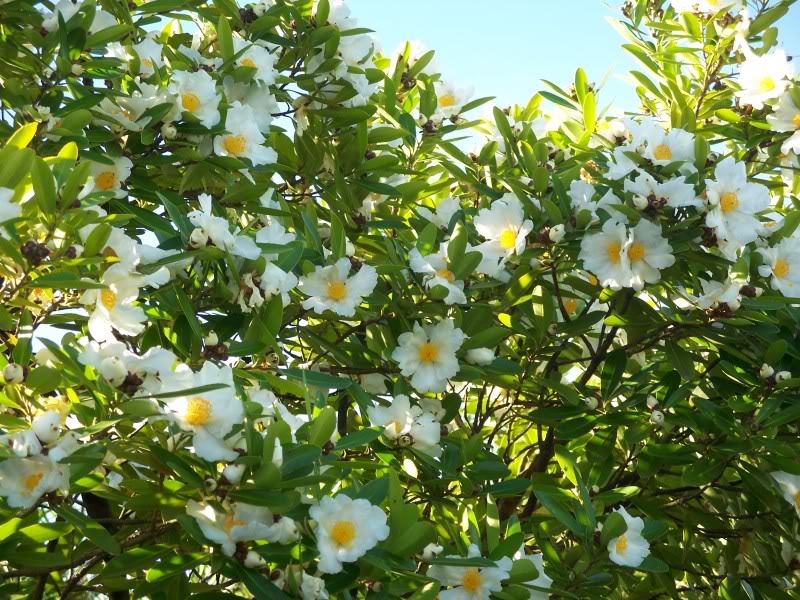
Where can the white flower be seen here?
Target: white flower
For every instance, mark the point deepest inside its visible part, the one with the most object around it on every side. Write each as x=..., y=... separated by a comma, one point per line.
x=443, y=213
x=407, y=425
x=331, y=288
x=243, y=140
x=630, y=548
x=273, y=233
x=339, y=15
x=782, y=263
x=373, y=383
x=65, y=8
x=109, y=178
x=211, y=415
x=102, y=20
x=196, y=93
x=149, y=367
x=663, y=148
x=149, y=53
x=240, y=523
x=218, y=231
x=480, y=356
x=24, y=480
x=622, y=164
x=346, y=529
x=674, y=193
x=256, y=57
x=22, y=443
x=762, y=77
x=436, y=272
x=277, y=282
x=450, y=99
x=471, y=583
x=787, y=118
x=719, y=292
x=542, y=581
x=734, y=203
x=113, y=306
x=428, y=355
x=313, y=588
x=8, y=209
x=626, y=259
x=790, y=485
x=504, y=225
x=581, y=196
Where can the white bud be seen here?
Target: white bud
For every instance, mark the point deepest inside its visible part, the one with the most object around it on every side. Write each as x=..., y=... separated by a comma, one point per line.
x=259, y=9
x=233, y=473
x=198, y=238
x=431, y=550
x=113, y=371
x=651, y=402
x=421, y=120
x=168, y=131
x=657, y=417
x=596, y=489
x=535, y=263
x=759, y=291
x=734, y=304
x=211, y=339
x=47, y=427
x=557, y=233
x=480, y=356
x=254, y=560
x=782, y=376
x=766, y=371
x=77, y=70
x=211, y=485
x=640, y=202
x=591, y=402
x=552, y=328
x=78, y=250
x=13, y=373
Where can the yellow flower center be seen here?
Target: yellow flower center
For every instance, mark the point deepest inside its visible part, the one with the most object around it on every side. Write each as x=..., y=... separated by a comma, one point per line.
x=636, y=251
x=570, y=305
x=767, y=84
x=508, y=239
x=198, y=411
x=106, y=180
x=622, y=544
x=728, y=202
x=343, y=532
x=234, y=144
x=398, y=427
x=796, y=120
x=663, y=152
x=428, y=352
x=231, y=522
x=592, y=279
x=447, y=100
x=337, y=290
x=613, y=250
x=781, y=268
x=108, y=298
x=471, y=580
x=190, y=101
x=31, y=481
x=249, y=62
x=147, y=62
x=446, y=274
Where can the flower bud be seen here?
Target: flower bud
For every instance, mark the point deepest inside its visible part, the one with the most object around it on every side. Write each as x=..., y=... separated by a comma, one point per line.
x=77, y=70
x=766, y=371
x=535, y=263
x=233, y=473
x=254, y=560
x=113, y=371
x=591, y=402
x=211, y=485
x=198, y=238
x=782, y=376
x=211, y=338
x=552, y=328
x=13, y=373
x=168, y=131
x=657, y=417
x=557, y=233
x=651, y=402
x=47, y=427
x=431, y=550
x=640, y=202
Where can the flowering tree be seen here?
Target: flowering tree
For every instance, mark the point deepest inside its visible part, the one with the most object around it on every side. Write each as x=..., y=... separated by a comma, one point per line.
x=267, y=330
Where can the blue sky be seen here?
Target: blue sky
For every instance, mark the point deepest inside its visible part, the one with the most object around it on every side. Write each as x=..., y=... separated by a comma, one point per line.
x=503, y=48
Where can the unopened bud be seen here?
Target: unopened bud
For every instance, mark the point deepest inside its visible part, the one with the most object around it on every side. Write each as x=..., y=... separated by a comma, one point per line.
x=198, y=238
x=113, y=371
x=557, y=233
x=551, y=329
x=168, y=131
x=211, y=485
x=651, y=402
x=254, y=560
x=782, y=376
x=233, y=473
x=657, y=417
x=211, y=338
x=591, y=402
x=766, y=371
x=77, y=70
x=47, y=427
x=13, y=373
x=640, y=202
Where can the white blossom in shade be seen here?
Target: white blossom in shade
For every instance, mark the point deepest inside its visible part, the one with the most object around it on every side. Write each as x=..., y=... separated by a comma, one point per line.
x=313, y=588
x=719, y=292
x=450, y=99
x=8, y=209
x=196, y=93
x=582, y=195
x=102, y=20
x=149, y=53
x=210, y=415
x=273, y=233
x=275, y=281
x=782, y=264
x=149, y=367
x=764, y=77
x=504, y=225
x=267, y=399
x=542, y=581
x=630, y=548
x=407, y=425
x=114, y=308
x=24, y=480
x=346, y=529
x=470, y=583
x=622, y=164
x=330, y=288
x=22, y=443
x=436, y=272
x=674, y=193
x=786, y=118
x=373, y=383
x=218, y=230
x=243, y=138
x=442, y=214
x=339, y=15
x=665, y=147
x=734, y=202
x=256, y=57
x=65, y=446
x=480, y=356
x=790, y=486
x=239, y=523
x=65, y=8
x=248, y=294
x=47, y=426
x=109, y=178
x=428, y=354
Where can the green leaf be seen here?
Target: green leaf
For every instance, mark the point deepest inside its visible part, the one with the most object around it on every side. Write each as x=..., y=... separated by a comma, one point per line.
x=322, y=427
x=258, y=585
x=225, y=39
x=44, y=186
x=90, y=528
